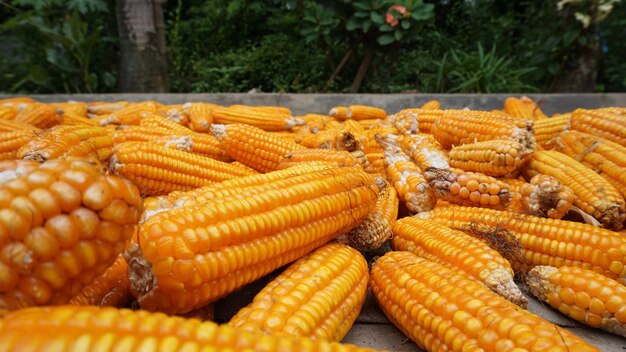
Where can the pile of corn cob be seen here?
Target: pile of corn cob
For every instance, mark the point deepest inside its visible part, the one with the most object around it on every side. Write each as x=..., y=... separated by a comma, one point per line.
x=170, y=208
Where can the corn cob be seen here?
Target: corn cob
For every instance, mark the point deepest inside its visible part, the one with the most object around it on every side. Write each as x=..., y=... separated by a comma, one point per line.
x=72, y=118
x=111, y=289
x=457, y=127
x=76, y=108
x=443, y=311
x=247, y=185
x=11, y=142
x=583, y=295
x=324, y=139
x=468, y=188
x=605, y=157
x=406, y=177
x=368, y=123
x=460, y=252
x=15, y=102
x=372, y=233
x=7, y=113
x=492, y=158
x=594, y=195
x=264, y=119
x=105, y=108
x=368, y=139
x=527, y=241
x=331, y=282
x=177, y=114
x=72, y=328
x=15, y=168
x=12, y=125
x=405, y=121
x=542, y=196
x=280, y=110
x=252, y=146
x=353, y=126
x=424, y=150
x=66, y=223
x=74, y=140
x=302, y=156
x=132, y=114
x=39, y=115
x=547, y=129
x=340, y=112
x=315, y=122
x=200, y=115
x=614, y=110
x=376, y=162
x=523, y=107
x=347, y=141
x=431, y=105
x=158, y=170
x=192, y=256
x=599, y=123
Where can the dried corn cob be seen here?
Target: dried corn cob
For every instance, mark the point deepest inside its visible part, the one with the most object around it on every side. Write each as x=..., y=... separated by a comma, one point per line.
x=594, y=195
x=424, y=150
x=527, y=241
x=73, y=107
x=66, y=223
x=72, y=118
x=543, y=196
x=457, y=127
x=302, y=156
x=405, y=121
x=110, y=329
x=7, y=113
x=460, y=252
x=200, y=115
x=16, y=102
x=331, y=281
x=245, y=186
x=583, y=295
x=605, y=157
x=368, y=123
x=372, y=233
x=468, y=188
x=105, y=108
x=132, y=114
x=353, y=126
x=111, y=289
x=406, y=177
x=252, y=146
x=261, y=118
x=159, y=170
x=280, y=110
x=347, y=141
x=368, y=139
x=523, y=107
x=431, y=105
x=315, y=122
x=441, y=310
x=376, y=163
x=177, y=114
x=74, y=140
x=340, y=112
x=15, y=168
x=11, y=142
x=194, y=255
x=547, y=129
x=39, y=115
x=614, y=110
x=600, y=123
x=12, y=125
x=492, y=158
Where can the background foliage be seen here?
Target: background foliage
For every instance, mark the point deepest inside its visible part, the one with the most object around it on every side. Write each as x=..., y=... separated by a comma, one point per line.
x=316, y=46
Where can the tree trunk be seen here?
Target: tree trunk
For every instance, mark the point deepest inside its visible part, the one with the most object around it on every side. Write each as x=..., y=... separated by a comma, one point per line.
x=143, y=62
x=360, y=74
x=580, y=75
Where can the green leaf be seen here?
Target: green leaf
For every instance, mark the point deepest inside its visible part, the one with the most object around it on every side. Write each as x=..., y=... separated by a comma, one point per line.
x=405, y=24
x=362, y=5
x=377, y=18
x=360, y=14
x=385, y=28
x=366, y=25
x=386, y=39
x=352, y=24
x=398, y=35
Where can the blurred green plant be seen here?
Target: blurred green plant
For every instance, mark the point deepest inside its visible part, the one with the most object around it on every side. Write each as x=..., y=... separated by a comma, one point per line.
x=58, y=46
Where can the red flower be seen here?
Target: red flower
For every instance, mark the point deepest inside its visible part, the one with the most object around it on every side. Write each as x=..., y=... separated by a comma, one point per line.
x=391, y=18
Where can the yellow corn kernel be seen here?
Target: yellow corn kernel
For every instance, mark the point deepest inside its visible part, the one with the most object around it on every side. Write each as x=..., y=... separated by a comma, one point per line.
x=468, y=188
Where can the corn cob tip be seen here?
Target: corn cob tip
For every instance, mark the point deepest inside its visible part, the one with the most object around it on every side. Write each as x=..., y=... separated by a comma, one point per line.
x=175, y=115
x=538, y=280
x=500, y=281
x=218, y=130
x=293, y=122
x=187, y=105
x=184, y=143
x=142, y=279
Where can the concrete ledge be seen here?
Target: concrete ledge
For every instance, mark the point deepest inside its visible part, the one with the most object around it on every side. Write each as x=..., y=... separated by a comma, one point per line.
x=321, y=103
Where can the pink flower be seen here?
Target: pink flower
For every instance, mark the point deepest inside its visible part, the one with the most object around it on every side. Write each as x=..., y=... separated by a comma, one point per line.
x=390, y=17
